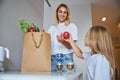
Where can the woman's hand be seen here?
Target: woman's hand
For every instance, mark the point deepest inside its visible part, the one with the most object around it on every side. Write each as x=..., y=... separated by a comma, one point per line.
x=63, y=41
x=60, y=38
x=69, y=40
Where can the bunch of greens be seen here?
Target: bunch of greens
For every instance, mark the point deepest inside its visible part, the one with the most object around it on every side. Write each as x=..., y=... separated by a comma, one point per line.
x=25, y=26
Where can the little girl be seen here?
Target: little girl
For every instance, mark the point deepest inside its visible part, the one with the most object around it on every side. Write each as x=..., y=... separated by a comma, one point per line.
x=100, y=61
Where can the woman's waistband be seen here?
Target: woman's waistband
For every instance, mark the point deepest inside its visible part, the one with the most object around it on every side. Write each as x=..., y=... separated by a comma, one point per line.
x=62, y=54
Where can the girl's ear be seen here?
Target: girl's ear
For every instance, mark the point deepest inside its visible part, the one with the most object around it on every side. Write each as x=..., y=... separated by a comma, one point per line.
x=86, y=40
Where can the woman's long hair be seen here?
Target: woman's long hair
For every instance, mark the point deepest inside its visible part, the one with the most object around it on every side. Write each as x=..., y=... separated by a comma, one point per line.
x=67, y=21
x=100, y=42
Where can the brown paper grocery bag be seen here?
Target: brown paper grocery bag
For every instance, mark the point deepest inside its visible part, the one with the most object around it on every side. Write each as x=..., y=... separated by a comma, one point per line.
x=36, y=52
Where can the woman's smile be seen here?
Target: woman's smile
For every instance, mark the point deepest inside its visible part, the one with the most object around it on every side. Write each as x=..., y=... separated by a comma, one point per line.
x=62, y=14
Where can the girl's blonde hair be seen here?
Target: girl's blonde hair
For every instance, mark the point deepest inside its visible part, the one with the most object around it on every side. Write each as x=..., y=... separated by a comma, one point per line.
x=67, y=21
x=100, y=42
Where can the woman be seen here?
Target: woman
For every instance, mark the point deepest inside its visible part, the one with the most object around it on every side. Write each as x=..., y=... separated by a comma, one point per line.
x=61, y=50
x=100, y=61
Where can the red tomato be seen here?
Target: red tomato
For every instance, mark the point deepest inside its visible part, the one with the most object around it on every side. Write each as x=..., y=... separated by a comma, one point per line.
x=31, y=29
x=66, y=35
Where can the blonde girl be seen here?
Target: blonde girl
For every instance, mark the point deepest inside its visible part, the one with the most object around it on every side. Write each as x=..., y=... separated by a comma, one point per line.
x=100, y=60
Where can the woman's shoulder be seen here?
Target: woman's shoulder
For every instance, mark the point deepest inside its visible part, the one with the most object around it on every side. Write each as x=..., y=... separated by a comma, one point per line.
x=51, y=28
x=72, y=24
x=53, y=25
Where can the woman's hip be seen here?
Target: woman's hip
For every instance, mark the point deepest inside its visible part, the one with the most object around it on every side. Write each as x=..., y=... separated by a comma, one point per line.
x=62, y=57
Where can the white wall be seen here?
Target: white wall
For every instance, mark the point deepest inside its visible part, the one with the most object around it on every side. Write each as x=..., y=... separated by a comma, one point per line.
x=80, y=15
x=11, y=11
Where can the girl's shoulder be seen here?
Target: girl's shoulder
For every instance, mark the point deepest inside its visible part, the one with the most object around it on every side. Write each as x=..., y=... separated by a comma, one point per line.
x=99, y=58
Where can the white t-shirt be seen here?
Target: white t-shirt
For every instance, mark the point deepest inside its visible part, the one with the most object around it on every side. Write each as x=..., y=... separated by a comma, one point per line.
x=56, y=46
x=98, y=67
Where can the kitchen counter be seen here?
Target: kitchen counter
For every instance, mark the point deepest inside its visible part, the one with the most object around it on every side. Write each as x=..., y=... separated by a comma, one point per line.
x=17, y=75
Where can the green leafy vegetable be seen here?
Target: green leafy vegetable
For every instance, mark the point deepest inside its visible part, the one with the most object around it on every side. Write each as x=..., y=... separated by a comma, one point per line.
x=25, y=26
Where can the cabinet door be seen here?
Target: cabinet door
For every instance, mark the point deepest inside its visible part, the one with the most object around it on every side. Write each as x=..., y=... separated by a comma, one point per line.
x=117, y=60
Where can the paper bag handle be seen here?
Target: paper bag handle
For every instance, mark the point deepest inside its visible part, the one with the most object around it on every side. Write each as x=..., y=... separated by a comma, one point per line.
x=40, y=40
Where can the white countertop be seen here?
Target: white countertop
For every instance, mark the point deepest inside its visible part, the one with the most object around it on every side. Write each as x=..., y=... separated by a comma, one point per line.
x=17, y=75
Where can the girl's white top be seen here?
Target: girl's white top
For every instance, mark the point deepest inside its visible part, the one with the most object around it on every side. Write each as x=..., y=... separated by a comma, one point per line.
x=98, y=67
x=57, y=47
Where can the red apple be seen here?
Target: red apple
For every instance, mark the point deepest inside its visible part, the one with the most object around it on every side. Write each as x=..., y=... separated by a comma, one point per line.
x=31, y=29
x=66, y=35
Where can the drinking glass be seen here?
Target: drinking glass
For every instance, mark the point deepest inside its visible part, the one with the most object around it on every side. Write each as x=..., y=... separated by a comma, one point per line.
x=59, y=67
x=70, y=66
